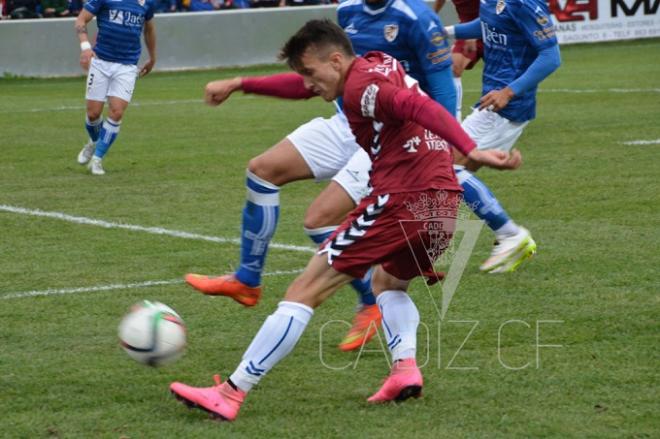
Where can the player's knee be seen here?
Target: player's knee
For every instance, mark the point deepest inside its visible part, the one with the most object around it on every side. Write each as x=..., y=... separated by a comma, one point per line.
x=262, y=169
x=115, y=114
x=94, y=114
x=317, y=217
x=460, y=159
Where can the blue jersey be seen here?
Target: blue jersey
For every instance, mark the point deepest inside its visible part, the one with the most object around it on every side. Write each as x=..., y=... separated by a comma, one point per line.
x=513, y=32
x=408, y=30
x=120, y=24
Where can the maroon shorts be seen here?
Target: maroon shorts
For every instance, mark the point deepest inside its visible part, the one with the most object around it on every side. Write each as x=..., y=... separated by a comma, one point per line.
x=474, y=57
x=404, y=232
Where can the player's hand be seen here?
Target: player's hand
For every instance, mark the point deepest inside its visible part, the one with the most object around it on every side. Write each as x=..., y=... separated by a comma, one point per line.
x=146, y=68
x=86, y=58
x=497, y=159
x=216, y=92
x=495, y=100
x=469, y=47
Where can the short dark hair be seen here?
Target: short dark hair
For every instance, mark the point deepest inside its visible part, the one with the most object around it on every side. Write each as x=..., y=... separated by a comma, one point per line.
x=320, y=34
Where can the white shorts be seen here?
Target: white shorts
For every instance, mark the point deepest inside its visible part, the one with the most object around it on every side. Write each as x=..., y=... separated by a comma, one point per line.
x=330, y=150
x=492, y=131
x=354, y=177
x=107, y=78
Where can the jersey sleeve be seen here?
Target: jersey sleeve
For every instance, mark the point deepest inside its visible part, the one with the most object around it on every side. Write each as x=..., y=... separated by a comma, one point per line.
x=280, y=85
x=385, y=102
x=534, y=21
x=93, y=6
x=341, y=17
x=428, y=40
x=150, y=11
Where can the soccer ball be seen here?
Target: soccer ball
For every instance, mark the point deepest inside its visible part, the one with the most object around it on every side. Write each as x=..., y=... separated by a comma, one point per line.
x=152, y=333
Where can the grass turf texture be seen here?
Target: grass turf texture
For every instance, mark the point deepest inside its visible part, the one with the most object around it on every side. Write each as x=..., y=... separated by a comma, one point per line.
x=591, y=202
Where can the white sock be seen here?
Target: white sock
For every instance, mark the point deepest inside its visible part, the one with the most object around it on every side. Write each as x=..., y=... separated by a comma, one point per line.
x=459, y=97
x=400, y=321
x=508, y=229
x=276, y=338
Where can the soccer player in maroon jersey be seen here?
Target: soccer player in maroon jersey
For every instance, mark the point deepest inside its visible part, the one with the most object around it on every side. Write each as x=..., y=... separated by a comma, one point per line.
x=465, y=54
x=408, y=137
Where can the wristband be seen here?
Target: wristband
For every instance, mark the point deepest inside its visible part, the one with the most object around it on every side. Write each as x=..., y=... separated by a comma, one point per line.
x=85, y=45
x=451, y=31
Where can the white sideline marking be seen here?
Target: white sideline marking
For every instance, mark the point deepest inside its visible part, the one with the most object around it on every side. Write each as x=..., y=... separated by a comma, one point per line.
x=199, y=101
x=149, y=283
x=133, y=104
x=136, y=228
x=642, y=142
x=600, y=90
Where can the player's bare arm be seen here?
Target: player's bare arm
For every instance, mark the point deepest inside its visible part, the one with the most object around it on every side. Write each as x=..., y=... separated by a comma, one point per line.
x=86, y=53
x=150, y=42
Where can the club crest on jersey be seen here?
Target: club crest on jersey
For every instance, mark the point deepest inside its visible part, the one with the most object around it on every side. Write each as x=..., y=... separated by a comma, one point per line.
x=437, y=38
x=499, y=7
x=391, y=31
x=542, y=20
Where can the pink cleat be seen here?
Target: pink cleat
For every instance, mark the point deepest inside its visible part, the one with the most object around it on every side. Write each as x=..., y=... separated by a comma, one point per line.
x=221, y=401
x=405, y=381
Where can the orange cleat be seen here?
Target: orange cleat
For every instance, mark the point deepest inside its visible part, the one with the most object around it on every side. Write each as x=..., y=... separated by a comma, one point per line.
x=405, y=381
x=365, y=325
x=221, y=401
x=226, y=285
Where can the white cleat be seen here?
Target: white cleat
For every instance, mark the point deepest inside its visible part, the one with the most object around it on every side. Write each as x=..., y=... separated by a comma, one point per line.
x=87, y=152
x=96, y=166
x=508, y=253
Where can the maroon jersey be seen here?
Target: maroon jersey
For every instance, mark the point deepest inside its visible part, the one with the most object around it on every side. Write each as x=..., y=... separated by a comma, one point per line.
x=407, y=135
x=467, y=10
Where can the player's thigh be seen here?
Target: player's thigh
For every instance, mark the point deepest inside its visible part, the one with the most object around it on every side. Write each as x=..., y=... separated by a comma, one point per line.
x=343, y=193
x=280, y=164
x=122, y=81
x=492, y=131
x=98, y=81
x=316, y=283
x=326, y=145
x=329, y=208
x=382, y=281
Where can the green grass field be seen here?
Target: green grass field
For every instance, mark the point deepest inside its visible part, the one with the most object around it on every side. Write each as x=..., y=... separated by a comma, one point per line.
x=591, y=201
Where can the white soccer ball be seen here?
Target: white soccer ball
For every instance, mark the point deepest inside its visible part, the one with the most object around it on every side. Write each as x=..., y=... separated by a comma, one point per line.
x=152, y=333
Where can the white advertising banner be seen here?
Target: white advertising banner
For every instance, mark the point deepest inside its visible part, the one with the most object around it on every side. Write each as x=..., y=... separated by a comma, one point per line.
x=584, y=21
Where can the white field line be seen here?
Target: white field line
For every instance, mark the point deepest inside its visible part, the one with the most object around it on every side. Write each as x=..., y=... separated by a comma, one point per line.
x=599, y=90
x=133, y=104
x=642, y=142
x=137, y=228
x=128, y=286
x=199, y=101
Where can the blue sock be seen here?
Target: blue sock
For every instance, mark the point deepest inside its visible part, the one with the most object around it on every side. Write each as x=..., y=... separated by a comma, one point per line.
x=361, y=286
x=260, y=214
x=106, y=137
x=93, y=128
x=483, y=203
